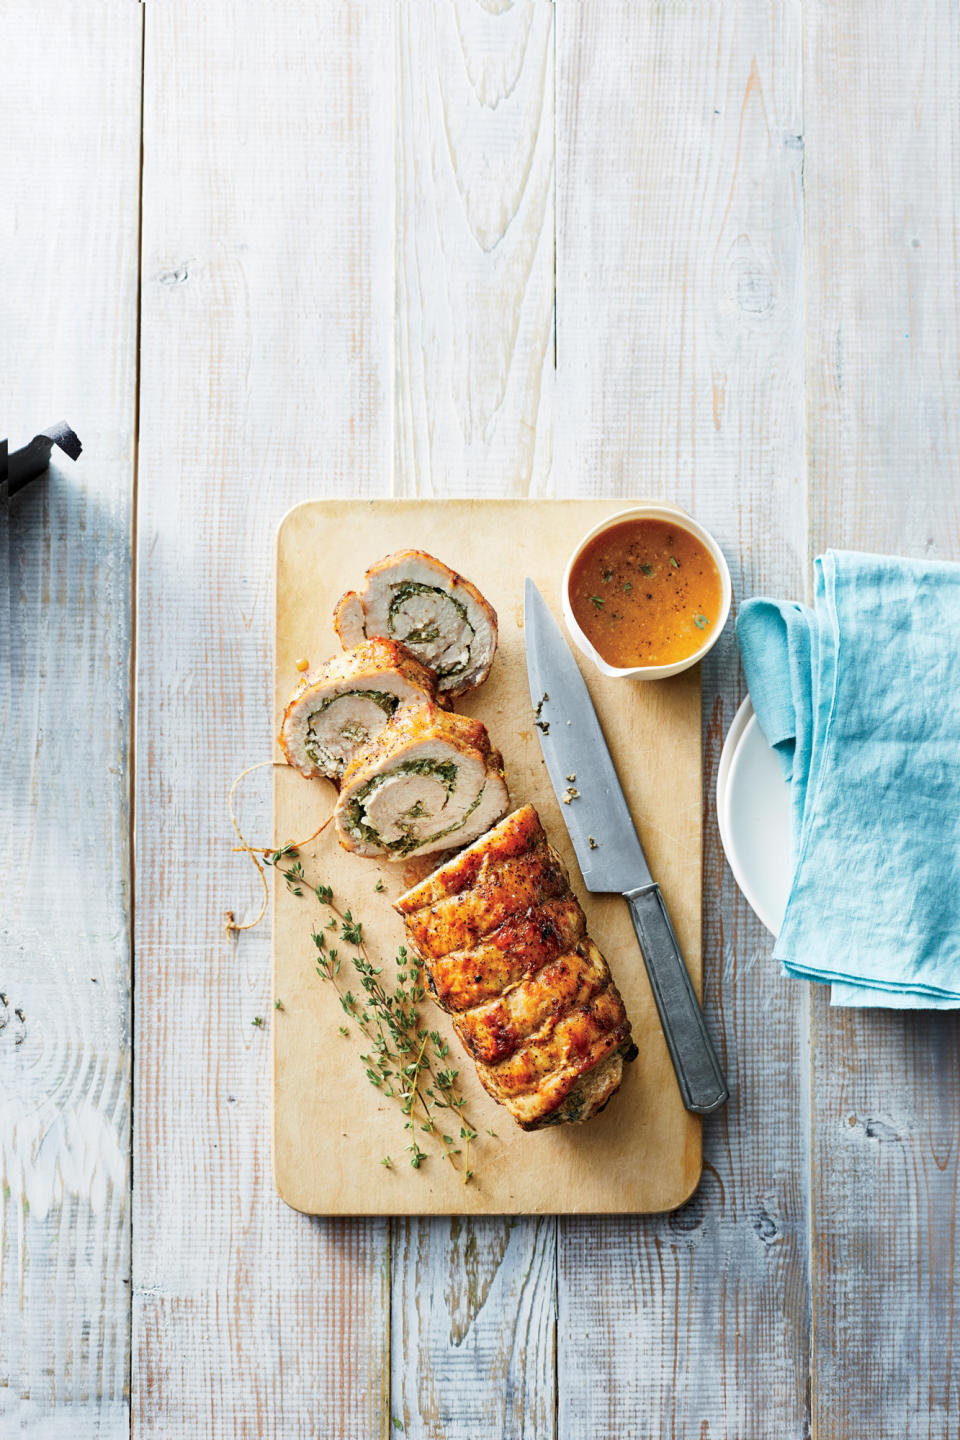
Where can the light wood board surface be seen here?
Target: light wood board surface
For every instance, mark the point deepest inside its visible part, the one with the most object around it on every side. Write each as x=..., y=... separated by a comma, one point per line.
x=331, y=1128
x=592, y=248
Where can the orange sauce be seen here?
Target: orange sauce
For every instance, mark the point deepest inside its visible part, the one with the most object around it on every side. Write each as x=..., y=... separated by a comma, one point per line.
x=645, y=592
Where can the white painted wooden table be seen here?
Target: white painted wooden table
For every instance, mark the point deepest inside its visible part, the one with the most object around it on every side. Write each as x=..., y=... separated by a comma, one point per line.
x=707, y=249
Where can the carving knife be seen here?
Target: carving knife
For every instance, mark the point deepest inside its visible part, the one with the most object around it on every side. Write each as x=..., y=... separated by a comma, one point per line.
x=610, y=855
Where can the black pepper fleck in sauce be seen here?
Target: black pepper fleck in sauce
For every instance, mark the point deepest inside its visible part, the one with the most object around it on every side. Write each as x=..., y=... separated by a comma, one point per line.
x=645, y=592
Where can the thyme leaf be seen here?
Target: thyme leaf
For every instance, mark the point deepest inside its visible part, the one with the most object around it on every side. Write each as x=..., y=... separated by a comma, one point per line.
x=402, y=1058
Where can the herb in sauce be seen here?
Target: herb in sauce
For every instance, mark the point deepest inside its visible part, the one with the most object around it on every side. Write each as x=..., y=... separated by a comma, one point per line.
x=666, y=616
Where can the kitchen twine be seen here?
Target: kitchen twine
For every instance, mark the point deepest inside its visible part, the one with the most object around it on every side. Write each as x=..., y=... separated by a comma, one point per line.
x=231, y=925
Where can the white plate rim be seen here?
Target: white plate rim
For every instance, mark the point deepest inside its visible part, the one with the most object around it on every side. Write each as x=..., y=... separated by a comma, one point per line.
x=744, y=723
x=734, y=735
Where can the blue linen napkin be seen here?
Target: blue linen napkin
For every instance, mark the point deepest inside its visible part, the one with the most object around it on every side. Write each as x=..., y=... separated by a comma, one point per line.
x=859, y=697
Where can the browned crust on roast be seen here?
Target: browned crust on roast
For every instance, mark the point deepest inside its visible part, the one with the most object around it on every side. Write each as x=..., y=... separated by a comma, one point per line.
x=516, y=834
x=574, y=1040
x=531, y=1008
x=504, y=943
x=458, y=923
x=565, y=1104
x=515, y=950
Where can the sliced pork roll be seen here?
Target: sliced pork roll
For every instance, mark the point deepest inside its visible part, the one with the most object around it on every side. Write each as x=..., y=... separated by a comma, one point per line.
x=430, y=781
x=345, y=704
x=506, y=949
x=442, y=618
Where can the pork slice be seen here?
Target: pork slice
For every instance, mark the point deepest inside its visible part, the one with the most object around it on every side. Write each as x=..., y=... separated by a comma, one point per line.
x=441, y=617
x=344, y=704
x=429, y=782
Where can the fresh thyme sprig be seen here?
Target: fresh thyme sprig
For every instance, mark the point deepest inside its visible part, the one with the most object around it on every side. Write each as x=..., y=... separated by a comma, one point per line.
x=405, y=1061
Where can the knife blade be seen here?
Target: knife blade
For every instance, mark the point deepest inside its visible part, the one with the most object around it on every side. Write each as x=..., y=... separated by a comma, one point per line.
x=607, y=846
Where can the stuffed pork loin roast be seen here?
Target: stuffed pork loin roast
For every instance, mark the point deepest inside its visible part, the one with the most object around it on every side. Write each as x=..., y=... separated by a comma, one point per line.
x=437, y=614
x=338, y=709
x=505, y=946
x=430, y=781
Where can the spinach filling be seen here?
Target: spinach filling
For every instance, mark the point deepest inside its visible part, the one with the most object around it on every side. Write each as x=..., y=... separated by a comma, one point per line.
x=443, y=770
x=429, y=632
x=352, y=732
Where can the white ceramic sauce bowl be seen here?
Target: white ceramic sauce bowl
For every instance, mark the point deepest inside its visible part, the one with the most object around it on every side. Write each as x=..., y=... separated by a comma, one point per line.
x=652, y=510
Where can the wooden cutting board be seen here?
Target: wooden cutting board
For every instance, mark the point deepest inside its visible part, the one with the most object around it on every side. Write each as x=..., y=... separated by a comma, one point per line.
x=331, y=1128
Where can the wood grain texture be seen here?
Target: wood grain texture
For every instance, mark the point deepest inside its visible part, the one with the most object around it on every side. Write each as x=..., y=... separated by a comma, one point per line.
x=266, y=377
x=70, y=120
x=883, y=190
x=474, y=347
x=474, y=238
x=485, y=1342
x=679, y=371
x=643, y=1153
x=348, y=269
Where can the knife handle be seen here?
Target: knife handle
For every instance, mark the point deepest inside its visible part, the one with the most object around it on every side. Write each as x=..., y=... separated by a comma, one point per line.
x=699, y=1075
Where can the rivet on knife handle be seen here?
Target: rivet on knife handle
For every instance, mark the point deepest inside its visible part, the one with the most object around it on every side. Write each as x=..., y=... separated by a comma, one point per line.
x=699, y=1076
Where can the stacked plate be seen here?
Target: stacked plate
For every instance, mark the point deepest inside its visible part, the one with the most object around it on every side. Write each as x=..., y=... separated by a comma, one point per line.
x=753, y=810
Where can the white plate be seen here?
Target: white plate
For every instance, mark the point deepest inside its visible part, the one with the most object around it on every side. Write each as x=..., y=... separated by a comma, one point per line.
x=729, y=746
x=753, y=811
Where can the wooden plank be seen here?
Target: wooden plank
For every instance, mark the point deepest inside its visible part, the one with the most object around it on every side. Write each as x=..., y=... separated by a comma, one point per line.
x=266, y=378
x=70, y=118
x=883, y=191
x=680, y=370
x=475, y=1302
x=474, y=247
x=474, y=337
x=643, y=1153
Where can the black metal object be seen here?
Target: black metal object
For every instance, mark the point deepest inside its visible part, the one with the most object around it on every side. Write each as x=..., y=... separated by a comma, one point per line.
x=26, y=464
